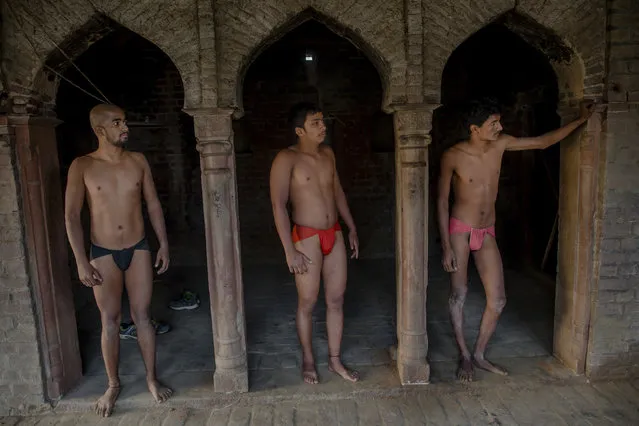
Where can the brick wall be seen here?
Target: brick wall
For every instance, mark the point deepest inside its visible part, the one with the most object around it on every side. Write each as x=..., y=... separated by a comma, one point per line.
x=348, y=87
x=614, y=346
x=21, y=386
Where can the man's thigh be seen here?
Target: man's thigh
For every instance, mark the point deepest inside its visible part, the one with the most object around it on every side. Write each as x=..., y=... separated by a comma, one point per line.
x=308, y=283
x=335, y=267
x=459, y=243
x=489, y=265
x=138, y=280
x=108, y=293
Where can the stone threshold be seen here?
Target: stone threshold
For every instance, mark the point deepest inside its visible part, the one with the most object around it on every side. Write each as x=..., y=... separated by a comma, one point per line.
x=195, y=389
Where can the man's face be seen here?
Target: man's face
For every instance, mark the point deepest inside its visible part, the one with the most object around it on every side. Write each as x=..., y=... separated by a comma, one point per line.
x=314, y=128
x=114, y=129
x=490, y=130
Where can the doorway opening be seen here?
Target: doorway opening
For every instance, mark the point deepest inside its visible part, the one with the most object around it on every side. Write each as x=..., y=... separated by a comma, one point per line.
x=312, y=63
x=136, y=75
x=523, y=81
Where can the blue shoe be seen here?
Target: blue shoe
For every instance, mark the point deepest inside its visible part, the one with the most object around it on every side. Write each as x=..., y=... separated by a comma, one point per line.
x=129, y=331
x=187, y=301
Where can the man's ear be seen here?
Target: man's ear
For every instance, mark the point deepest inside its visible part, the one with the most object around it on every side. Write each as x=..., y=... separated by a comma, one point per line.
x=299, y=131
x=474, y=128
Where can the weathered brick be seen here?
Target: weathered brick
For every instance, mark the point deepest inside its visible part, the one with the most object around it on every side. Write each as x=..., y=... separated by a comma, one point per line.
x=618, y=278
x=611, y=245
x=13, y=268
x=609, y=271
x=7, y=323
x=616, y=283
x=11, y=250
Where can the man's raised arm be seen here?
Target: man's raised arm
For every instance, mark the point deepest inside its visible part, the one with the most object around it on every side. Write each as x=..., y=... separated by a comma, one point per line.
x=546, y=140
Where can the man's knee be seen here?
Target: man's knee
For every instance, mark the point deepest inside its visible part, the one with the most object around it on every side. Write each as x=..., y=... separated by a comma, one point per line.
x=457, y=297
x=497, y=304
x=335, y=302
x=306, y=304
x=111, y=321
x=140, y=316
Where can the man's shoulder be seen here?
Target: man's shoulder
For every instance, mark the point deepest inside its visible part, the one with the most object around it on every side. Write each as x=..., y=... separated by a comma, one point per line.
x=285, y=155
x=82, y=162
x=454, y=151
x=326, y=150
x=138, y=159
x=504, y=139
x=137, y=156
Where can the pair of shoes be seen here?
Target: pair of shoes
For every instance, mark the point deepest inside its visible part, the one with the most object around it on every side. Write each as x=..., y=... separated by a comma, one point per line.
x=187, y=301
x=129, y=331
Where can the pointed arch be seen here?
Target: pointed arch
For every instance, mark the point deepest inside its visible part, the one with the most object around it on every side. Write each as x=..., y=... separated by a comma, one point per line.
x=53, y=46
x=390, y=66
x=559, y=40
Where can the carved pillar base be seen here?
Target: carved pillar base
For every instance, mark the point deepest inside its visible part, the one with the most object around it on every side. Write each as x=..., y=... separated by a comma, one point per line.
x=231, y=380
x=214, y=134
x=412, y=126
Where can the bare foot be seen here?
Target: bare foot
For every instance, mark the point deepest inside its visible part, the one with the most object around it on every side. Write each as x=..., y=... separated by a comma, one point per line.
x=104, y=405
x=335, y=366
x=160, y=393
x=309, y=374
x=484, y=364
x=465, y=372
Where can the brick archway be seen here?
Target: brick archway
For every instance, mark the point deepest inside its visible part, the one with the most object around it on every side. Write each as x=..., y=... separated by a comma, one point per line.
x=386, y=53
x=578, y=171
x=72, y=28
x=45, y=237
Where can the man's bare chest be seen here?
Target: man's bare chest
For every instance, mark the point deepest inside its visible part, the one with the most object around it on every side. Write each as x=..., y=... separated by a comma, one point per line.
x=479, y=171
x=317, y=172
x=113, y=181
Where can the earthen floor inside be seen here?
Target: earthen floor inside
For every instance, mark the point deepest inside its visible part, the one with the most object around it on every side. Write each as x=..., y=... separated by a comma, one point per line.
x=185, y=354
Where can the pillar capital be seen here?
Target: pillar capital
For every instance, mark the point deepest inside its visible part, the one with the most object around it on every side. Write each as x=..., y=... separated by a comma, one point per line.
x=413, y=123
x=208, y=111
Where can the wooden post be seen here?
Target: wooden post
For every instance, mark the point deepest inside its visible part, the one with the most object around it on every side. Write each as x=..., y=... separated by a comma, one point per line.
x=412, y=127
x=214, y=134
x=46, y=244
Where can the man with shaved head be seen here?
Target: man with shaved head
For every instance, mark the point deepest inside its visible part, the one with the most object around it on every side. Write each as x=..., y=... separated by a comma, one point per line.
x=114, y=182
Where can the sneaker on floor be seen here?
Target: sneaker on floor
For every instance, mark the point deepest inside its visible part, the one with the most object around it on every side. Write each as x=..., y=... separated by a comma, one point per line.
x=160, y=327
x=187, y=301
x=129, y=331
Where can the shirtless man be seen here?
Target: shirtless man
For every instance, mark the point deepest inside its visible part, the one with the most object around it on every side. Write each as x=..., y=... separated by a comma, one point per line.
x=305, y=173
x=474, y=166
x=115, y=181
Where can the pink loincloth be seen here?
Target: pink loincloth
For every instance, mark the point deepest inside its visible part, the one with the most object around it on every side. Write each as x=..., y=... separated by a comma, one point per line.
x=456, y=226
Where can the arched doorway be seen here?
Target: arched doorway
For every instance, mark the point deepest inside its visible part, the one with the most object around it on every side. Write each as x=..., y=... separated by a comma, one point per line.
x=312, y=63
x=133, y=73
x=528, y=77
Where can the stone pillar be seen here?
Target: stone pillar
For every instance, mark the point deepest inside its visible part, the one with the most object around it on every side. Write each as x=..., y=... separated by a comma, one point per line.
x=214, y=134
x=46, y=245
x=412, y=127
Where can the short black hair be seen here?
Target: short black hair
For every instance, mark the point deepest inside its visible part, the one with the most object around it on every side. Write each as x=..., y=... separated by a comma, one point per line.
x=299, y=112
x=477, y=112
